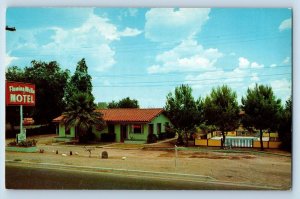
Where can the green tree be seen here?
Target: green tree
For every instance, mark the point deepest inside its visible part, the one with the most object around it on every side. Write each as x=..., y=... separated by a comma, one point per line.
x=113, y=104
x=183, y=111
x=82, y=115
x=79, y=82
x=50, y=82
x=221, y=110
x=102, y=105
x=262, y=109
x=14, y=73
x=124, y=103
x=285, y=126
x=80, y=111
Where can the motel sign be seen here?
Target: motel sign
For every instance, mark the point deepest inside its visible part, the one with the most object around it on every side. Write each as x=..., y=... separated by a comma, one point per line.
x=19, y=93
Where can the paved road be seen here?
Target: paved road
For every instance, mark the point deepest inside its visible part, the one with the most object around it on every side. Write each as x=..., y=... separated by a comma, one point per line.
x=30, y=177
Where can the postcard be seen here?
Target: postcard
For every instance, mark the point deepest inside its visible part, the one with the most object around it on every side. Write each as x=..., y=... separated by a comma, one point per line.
x=148, y=98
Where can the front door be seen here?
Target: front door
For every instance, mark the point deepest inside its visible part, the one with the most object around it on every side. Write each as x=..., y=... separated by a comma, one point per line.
x=123, y=132
x=150, y=129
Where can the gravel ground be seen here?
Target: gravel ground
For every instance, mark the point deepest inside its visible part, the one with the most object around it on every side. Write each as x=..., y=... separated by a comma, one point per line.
x=265, y=169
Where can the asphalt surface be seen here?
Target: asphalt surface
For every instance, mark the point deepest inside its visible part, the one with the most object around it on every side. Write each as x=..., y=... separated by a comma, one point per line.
x=20, y=176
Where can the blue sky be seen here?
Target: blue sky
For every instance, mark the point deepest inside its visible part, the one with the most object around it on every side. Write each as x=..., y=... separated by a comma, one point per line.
x=145, y=53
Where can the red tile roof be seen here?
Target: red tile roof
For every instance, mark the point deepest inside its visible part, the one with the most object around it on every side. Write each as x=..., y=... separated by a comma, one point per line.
x=125, y=114
x=58, y=119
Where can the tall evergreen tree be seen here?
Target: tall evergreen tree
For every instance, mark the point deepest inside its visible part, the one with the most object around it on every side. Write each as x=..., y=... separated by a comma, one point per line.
x=221, y=110
x=183, y=111
x=79, y=82
x=80, y=109
x=262, y=109
x=285, y=126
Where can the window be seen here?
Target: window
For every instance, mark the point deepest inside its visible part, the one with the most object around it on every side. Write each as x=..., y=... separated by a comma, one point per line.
x=137, y=128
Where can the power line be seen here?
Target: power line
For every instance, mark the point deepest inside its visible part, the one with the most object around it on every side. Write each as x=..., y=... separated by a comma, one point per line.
x=133, y=48
x=193, y=82
x=178, y=72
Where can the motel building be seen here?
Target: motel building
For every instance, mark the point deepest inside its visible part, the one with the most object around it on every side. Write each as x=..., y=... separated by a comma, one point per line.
x=130, y=125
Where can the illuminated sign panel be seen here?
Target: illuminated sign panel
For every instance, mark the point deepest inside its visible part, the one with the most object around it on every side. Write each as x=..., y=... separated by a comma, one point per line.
x=19, y=93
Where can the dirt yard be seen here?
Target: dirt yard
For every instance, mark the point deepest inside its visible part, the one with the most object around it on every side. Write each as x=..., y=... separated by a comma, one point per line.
x=268, y=169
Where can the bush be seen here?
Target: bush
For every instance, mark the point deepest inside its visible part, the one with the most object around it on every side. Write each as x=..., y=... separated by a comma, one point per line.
x=152, y=138
x=170, y=134
x=180, y=141
x=27, y=143
x=108, y=137
x=286, y=140
x=162, y=136
x=166, y=135
x=13, y=143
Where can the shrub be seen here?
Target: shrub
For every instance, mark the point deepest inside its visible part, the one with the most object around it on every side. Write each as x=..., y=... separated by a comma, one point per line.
x=179, y=141
x=108, y=137
x=152, y=138
x=170, y=134
x=170, y=131
x=27, y=143
x=13, y=143
x=162, y=136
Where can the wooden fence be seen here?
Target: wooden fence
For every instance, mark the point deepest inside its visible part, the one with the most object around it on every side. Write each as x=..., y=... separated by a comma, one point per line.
x=238, y=143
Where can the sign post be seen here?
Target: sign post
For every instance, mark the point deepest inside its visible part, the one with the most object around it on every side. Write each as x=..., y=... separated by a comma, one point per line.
x=21, y=119
x=20, y=94
x=176, y=156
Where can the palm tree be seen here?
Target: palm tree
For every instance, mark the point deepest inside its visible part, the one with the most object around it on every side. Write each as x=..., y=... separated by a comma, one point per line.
x=81, y=114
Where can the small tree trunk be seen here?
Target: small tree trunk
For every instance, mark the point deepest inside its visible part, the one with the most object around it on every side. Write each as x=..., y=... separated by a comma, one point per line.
x=261, y=141
x=223, y=140
x=186, y=139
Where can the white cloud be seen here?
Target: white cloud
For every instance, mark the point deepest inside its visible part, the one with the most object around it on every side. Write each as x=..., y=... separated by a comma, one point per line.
x=256, y=65
x=129, y=32
x=9, y=59
x=286, y=24
x=174, y=25
x=237, y=78
x=282, y=88
x=187, y=56
x=252, y=85
x=273, y=65
x=216, y=78
x=287, y=60
x=106, y=83
x=132, y=12
x=243, y=62
x=254, y=77
x=91, y=41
